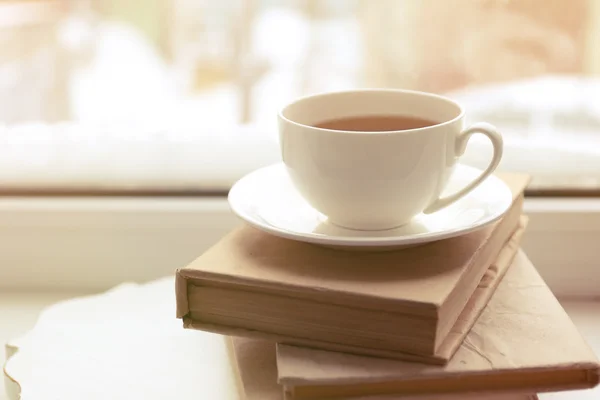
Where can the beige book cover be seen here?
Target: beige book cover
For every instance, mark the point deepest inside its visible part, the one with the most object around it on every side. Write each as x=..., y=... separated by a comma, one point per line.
x=522, y=341
x=258, y=285
x=254, y=362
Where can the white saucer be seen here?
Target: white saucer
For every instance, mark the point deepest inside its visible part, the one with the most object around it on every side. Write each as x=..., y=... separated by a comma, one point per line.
x=267, y=200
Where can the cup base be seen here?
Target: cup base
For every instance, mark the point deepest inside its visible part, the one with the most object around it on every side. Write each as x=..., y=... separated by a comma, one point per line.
x=367, y=227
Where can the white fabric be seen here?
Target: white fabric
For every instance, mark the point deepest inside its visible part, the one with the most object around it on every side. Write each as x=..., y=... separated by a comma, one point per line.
x=79, y=156
x=551, y=126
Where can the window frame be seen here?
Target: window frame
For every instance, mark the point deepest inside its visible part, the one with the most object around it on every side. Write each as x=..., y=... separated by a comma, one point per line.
x=94, y=243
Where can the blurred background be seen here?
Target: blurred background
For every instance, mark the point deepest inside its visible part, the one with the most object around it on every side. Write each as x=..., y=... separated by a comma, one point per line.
x=181, y=96
x=123, y=123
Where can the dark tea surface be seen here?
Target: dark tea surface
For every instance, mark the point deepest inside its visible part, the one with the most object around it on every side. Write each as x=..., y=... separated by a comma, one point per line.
x=375, y=123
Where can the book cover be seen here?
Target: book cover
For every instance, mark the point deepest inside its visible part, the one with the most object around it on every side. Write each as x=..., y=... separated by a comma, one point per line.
x=255, y=366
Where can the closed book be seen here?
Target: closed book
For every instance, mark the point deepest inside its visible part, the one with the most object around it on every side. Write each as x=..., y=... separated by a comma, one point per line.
x=522, y=342
x=398, y=304
x=256, y=372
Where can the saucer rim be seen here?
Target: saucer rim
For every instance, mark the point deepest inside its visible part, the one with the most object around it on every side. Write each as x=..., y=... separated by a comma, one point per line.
x=360, y=241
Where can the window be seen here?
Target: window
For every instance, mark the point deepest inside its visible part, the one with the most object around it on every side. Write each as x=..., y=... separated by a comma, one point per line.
x=148, y=95
x=179, y=97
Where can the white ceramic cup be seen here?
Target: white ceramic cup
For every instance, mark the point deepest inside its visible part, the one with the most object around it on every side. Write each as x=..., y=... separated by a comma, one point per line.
x=377, y=180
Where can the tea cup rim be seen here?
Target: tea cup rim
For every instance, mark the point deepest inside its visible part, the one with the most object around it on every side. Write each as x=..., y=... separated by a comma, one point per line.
x=461, y=110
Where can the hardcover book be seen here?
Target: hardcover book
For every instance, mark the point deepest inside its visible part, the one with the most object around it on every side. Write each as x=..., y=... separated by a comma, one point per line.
x=399, y=304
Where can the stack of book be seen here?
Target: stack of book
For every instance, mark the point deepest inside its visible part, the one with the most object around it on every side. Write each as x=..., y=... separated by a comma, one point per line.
x=461, y=318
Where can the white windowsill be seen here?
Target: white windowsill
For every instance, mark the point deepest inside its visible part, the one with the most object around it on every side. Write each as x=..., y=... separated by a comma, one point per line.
x=95, y=243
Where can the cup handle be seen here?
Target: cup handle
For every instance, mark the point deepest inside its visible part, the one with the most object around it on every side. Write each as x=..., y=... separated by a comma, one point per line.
x=461, y=144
